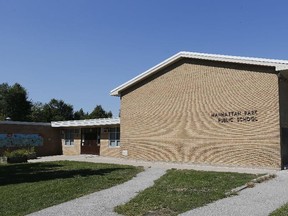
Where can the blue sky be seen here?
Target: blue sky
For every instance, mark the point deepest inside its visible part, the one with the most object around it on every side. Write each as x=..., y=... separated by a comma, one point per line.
x=80, y=50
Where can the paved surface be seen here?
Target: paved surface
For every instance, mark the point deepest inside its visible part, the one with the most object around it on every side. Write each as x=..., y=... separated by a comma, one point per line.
x=257, y=201
x=103, y=202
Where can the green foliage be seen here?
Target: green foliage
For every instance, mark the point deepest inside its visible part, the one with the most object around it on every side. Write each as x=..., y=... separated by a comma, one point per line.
x=55, y=110
x=282, y=211
x=99, y=112
x=4, y=88
x=16, y=153
x=58, y=110
x=14, y=102
x=80, y=115
x=37, y=113
x=30, y=187
x=23, y=152
x=182, y=190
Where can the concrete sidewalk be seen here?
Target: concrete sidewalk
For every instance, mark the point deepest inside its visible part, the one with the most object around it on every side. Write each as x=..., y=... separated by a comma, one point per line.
x=261, y=200
x=258, y=201
x=103, y=202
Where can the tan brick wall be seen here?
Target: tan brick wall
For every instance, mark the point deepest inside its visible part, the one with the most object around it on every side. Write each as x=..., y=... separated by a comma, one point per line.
x=72, y=149
x=169, y=116
x=105, y=150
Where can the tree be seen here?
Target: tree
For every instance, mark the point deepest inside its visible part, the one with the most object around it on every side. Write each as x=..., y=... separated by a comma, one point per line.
x=4, y=88
x=99, y=112
x=14, y=102
x=80, y=115
x=37, y=113
x=57, y=110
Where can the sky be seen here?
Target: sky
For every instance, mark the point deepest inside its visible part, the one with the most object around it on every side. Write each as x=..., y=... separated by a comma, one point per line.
x=79, y=50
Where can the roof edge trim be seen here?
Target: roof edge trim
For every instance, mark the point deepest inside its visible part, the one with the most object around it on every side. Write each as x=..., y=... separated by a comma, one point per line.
x=87, y=122
x=278, y=64
x=115, y=92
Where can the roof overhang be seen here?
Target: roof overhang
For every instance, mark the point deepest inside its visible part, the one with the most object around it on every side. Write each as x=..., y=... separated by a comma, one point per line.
x=278, y=64
x=25, y=123
x=87, y=122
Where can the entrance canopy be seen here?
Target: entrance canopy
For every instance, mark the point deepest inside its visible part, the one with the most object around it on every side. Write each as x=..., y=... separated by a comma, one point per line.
x=89, y=136
x=87, y=122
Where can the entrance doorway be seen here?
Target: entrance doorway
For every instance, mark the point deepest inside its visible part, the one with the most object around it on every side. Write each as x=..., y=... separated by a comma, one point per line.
x=90, y=141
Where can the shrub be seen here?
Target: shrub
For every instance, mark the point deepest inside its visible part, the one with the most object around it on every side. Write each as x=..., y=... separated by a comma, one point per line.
x=20, y=155
x=16, y=153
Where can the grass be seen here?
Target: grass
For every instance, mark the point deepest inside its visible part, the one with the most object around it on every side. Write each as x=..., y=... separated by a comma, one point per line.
x=182, y=190
x=26, y=188
x=282, y=211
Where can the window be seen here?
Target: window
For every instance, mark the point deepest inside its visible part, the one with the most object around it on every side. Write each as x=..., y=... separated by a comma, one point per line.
x=114, y=137
x=69, y=136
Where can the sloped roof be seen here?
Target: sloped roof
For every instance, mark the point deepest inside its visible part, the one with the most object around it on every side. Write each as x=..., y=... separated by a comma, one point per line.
x=86, y=122
x=278, y=64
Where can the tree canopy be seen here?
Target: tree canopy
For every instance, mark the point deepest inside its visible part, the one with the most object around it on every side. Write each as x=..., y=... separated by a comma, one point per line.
x=14, y=103
x=58, y=110
x=80, y=115
x=99, y=112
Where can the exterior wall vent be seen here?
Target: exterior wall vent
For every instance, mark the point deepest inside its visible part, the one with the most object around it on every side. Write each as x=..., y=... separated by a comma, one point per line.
x=125, y=152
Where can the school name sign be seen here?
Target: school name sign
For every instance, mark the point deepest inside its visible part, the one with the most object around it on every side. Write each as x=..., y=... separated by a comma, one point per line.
x=236, y=116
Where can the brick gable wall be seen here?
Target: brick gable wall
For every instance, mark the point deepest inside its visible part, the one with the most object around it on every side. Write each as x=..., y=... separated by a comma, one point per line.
x=179, y=115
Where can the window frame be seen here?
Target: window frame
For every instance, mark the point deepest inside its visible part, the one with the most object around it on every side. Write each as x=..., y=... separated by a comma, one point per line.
x=114, y=137
x=69, y=137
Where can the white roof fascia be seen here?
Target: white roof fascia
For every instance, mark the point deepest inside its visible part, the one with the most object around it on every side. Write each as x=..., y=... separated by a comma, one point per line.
x=278, y=64
x=115, y=92
x=86, y=122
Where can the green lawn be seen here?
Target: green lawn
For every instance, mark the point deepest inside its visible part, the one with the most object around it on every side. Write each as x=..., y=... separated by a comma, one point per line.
x=182, y=190
x=26, y=188
x=283, y=211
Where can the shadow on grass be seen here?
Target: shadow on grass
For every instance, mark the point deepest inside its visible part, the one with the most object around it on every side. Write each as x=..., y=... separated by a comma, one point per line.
x=35, y=172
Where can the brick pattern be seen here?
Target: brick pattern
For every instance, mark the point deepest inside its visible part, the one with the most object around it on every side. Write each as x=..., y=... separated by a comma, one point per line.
x=51, y=137
x=169, y=116
x=105, y=150
x=72, y=149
